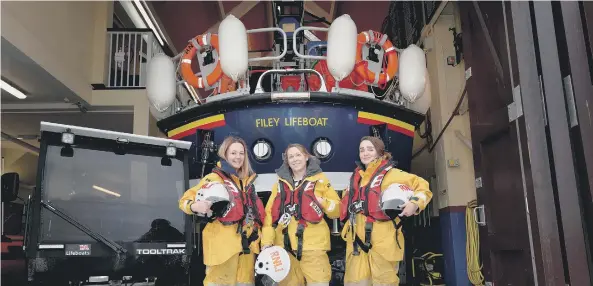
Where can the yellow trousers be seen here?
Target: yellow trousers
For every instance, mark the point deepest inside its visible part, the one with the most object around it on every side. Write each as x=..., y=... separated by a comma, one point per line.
x=314, y=269
x=238, y=270
x=369, y=269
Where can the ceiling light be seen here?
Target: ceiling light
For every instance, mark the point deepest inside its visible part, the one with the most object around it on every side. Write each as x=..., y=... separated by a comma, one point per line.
x=12, y=90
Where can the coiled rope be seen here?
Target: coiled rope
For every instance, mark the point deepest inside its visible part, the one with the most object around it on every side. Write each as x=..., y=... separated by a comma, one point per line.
x=472, y=246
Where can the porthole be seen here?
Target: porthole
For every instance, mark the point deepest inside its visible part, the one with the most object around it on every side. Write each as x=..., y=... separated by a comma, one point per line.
x=322, y=148
x=262, y=150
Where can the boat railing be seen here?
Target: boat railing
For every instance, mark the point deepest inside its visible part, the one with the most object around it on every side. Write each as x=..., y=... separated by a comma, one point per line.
x=294, y=43
x=285, y=42
x=259, y=88
x=302, y=68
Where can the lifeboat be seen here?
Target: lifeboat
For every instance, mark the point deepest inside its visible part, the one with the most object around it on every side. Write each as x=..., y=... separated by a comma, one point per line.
x=321, y=94
x=317, y=93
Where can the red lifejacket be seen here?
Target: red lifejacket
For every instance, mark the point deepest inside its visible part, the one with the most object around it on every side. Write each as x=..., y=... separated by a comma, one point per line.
x=245, y=207
x=300, y=203
x=366, y=200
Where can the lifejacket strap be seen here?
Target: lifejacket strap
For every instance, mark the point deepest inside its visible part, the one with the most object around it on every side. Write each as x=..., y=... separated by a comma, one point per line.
x=299, y=235
x=245, y=244
x=397, y=226
x=358, y=243
x=368, y=229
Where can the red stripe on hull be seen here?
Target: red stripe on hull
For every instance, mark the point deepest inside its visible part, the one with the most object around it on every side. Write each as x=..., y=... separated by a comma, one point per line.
x=389, y=126
x=400, y=130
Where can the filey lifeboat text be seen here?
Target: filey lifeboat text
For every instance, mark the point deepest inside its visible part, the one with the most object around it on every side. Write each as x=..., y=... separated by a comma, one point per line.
x=291, y=121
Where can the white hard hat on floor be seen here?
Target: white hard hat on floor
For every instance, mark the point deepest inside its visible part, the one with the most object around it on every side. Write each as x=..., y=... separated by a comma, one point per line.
x=273, y=262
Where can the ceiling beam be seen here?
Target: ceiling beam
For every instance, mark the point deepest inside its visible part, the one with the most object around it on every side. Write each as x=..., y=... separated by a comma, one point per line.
x=11, y=155
x=269, y=13
x=56, y=107
x=239, y=11
x=427, y=29
x=159, y=23
x=332, y=11
x=26, y=146
x=316, y=10
x=221, y=10
x=271, y=21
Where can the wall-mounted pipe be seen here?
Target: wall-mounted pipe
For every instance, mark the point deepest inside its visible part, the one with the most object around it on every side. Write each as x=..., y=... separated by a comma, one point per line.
x=29, y=147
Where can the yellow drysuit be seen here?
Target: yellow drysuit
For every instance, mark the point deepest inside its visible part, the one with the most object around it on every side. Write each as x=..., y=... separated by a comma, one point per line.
x=314, y=265
x=381, y=264
x=225, y=263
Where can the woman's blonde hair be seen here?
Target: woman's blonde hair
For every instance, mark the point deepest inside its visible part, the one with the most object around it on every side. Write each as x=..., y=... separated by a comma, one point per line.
x=298, y=146
x=245, y=170
x=379, y=146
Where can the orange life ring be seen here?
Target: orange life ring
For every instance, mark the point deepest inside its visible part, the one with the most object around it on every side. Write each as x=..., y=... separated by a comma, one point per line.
x=190, y=52
x=361, y=67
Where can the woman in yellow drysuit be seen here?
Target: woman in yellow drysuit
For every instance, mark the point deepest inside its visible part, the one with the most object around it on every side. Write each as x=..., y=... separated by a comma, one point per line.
x=294, y=217
x=374, y=243
x=230, y=241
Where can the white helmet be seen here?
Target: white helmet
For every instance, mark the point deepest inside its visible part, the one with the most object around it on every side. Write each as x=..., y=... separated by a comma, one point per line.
x=273, y=262
x=393, y=197
x=216, y=193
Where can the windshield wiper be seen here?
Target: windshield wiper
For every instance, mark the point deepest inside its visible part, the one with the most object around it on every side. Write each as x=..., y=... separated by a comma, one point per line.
x=98, y=237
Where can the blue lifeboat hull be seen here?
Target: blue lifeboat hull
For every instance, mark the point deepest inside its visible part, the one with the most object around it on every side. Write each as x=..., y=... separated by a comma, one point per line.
x=339, y=119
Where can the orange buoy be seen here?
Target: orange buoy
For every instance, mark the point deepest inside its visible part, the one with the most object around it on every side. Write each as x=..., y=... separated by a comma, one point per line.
x=190, y=52
x=361, y=67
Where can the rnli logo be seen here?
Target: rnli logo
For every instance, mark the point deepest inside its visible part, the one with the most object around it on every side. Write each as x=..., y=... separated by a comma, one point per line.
x=316, y=208
x=78, y=250
x=310, y=187
x=231, y=186
x=377, y=181
x=277, y=261
x=405, y=188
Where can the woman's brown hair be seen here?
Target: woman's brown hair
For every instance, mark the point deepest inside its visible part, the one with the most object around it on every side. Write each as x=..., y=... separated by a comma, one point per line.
x=379, y=146
x=301, y=148
x=245, y=170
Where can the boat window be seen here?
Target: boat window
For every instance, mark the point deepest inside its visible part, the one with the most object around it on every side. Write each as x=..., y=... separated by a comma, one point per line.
x=262, y=150
x=322, y=148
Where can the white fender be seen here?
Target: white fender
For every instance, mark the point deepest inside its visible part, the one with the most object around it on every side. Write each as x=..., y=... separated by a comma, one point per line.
x=412, y=65
x=233, y=48
x=159, y=115
x=341, y=47
x=160, y=82
x=422, y=104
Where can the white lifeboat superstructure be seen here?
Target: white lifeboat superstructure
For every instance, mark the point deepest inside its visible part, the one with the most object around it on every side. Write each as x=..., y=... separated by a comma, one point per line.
x=224, y=64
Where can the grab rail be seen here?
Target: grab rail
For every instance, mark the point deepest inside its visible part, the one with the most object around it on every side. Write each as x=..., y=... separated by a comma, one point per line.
x=294, y=43
x=259, y=89
x=285, y=42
